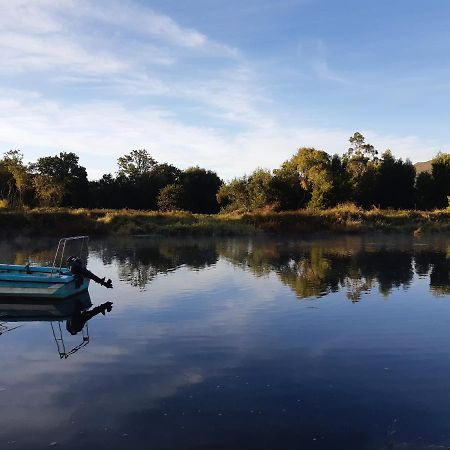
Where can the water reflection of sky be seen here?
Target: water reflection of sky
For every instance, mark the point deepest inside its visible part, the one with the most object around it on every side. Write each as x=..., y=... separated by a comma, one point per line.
x=221, y=351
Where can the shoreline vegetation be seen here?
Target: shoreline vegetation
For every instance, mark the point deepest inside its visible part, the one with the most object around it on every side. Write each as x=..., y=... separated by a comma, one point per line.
x=311, y=193
x=346, y=218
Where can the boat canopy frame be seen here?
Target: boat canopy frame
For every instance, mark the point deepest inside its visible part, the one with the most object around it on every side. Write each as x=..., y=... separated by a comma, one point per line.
x=62, y=248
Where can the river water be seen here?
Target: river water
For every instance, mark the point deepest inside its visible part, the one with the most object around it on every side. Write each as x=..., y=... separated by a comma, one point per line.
x=339, y=343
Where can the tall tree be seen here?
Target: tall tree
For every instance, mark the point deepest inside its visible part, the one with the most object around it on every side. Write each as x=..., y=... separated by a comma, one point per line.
x=17, y=180
x=200, y=187
x=316, y=175
x=395, y=182
x=61, y=174
x=425, y=191
x=361, y=165
x=135, y=164
x=286, y=186
x=440, y=169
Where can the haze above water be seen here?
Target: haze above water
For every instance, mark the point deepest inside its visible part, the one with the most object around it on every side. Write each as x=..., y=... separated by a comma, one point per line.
x=236, y=343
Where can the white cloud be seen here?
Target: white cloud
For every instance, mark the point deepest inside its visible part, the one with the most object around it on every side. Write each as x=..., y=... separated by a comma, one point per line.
x=148, y=22
x=59, y=35
x=26, y=52
x=100, y=132
x=230, y=125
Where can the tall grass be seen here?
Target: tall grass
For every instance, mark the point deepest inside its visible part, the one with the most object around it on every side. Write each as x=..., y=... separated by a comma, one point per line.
x=341, y=219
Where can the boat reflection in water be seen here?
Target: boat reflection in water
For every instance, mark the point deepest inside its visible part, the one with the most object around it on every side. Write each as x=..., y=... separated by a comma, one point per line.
x=72, y=314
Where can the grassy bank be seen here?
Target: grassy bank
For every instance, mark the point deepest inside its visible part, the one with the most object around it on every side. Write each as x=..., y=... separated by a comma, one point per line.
x=342, y=219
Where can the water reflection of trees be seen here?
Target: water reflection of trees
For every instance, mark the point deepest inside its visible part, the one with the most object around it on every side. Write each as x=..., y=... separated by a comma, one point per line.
x=24, y=250
x=436, y=265
x=355, y=265
x=312, y=269
x=140, y=260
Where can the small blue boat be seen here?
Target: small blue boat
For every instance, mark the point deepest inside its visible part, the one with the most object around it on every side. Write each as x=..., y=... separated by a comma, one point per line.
x=56, y=282
x=39, y=282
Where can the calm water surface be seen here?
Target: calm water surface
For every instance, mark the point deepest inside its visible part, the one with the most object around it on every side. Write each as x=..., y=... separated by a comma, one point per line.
x=218, y=344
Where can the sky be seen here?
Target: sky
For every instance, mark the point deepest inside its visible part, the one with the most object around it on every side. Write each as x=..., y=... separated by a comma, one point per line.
x=224, y=84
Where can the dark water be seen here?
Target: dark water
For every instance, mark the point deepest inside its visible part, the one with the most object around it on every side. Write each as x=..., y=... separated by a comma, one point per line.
x=220, y=344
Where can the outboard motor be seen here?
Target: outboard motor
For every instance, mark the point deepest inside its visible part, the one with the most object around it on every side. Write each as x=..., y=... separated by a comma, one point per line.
x=76, y=268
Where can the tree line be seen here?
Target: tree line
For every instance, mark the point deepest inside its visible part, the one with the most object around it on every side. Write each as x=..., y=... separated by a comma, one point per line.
x=311, y=178
x=140, y=183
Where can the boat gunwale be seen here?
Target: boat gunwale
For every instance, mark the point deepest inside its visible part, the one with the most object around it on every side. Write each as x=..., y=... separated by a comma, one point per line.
x=20, y=274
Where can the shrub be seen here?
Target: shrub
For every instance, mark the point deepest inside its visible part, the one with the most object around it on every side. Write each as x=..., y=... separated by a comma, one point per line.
x=171, y=198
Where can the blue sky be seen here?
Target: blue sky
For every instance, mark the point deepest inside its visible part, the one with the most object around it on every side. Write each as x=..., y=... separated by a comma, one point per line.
x=228, y=85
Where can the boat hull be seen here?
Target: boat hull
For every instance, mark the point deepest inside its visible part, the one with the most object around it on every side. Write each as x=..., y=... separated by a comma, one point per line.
x=38, y=282
x=31, y=309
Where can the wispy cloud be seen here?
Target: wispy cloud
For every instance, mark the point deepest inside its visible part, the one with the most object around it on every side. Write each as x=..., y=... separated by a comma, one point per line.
x=57, y=35
x=128, y=15
x=109, y=76
x=101, y=132
x=314, y=56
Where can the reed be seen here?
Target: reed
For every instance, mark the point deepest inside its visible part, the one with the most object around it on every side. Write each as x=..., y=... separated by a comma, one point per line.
x=346, y=218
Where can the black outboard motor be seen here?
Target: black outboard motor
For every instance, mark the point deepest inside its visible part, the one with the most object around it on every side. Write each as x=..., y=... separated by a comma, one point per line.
x=76, y=267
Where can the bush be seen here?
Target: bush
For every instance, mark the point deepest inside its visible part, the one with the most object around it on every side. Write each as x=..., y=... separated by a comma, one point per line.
x=171, y=198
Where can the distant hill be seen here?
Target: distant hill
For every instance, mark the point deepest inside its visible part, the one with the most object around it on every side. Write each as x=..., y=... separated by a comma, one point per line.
x=423, y=167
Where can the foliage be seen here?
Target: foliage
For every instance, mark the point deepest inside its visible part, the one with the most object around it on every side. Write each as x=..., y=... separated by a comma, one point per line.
x=234, y=195
x=432, y=190
x=201, y=186
x=316, y=175
x=361, y=164
x=287, y=189
x=171, y=198
x=136, y=164
x=394, y=182
x=60, y=180
x=16, y=179
x=441, y=179
x=311, y=178
x=340, y=219
x=49, y=192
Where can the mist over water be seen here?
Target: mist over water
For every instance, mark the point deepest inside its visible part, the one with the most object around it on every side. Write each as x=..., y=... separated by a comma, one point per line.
x=236, y=343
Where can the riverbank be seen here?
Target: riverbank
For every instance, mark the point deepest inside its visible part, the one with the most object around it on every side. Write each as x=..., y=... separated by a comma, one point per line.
x=342, y=219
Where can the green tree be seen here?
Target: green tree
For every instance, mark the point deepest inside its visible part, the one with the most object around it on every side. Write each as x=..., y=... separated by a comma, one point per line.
x=61, y=174
x=140, y=178
x=234, y=196
x=395, y=182
x=286, y=186
x=171, y=198
x=248, y=193
x=16, y=178
x=361, y=164
x=49, y=191
x=359, y=148
x=135, y=164
x=201, y=187
x=260, y=189
x=316, y=175
x=440, y=169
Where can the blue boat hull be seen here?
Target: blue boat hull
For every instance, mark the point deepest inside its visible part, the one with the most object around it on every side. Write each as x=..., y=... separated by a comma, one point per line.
x=39, y=282
x=32, y=309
